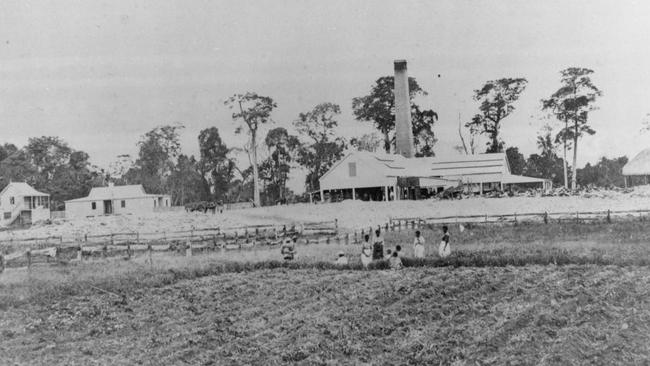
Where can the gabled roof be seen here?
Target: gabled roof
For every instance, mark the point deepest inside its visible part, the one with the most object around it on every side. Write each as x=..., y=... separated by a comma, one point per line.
x=23, y=189
x=639, y=165
x=116, y=192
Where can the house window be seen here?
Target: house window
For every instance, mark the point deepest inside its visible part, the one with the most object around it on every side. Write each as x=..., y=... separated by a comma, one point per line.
x=123, y=203
x=93, y=205
x=352, y=167
x=154, y=203
x=7, y=215
x=11, y=200
x=166, y=203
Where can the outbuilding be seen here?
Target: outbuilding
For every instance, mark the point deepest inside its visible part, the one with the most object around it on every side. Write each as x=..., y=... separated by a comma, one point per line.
x=128, y=199
x=637, y=170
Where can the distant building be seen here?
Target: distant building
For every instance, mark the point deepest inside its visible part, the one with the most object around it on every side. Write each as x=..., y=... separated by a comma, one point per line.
x=22, y=204
x=130, y=199
x=637, y=170
x=380, y=176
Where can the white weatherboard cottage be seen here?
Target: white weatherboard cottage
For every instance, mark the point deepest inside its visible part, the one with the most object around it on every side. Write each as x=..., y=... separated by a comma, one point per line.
x=22, y=204
x=130, y=199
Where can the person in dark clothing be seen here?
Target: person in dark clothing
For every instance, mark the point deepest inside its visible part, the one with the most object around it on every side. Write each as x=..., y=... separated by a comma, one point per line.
x=378, y=246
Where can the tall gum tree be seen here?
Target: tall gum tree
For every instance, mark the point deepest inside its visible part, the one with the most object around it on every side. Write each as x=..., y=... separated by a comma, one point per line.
x=253, y=110
x=496, y=100
x=571, y=103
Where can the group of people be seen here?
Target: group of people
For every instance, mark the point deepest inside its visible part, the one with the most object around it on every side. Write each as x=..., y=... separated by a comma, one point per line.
x=373, y=250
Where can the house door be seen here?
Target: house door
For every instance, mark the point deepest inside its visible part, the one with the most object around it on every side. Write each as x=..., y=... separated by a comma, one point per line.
x=108, y=207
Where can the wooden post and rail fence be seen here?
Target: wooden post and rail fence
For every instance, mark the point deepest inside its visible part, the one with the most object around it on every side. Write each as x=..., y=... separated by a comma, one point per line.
x=26, y=252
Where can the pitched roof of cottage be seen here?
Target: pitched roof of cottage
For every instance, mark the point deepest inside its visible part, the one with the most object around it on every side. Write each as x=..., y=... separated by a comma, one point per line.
x=23, y=189
x=639, y=165
x=116, y=192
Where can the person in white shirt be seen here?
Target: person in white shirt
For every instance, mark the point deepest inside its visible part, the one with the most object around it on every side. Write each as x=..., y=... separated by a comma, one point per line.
x=366, y=251
x=418, y=245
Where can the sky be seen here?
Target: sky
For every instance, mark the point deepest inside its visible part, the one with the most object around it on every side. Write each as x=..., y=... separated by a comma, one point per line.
x=99, y=74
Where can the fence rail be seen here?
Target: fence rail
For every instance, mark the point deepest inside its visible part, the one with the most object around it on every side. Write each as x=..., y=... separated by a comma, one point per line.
x=30, y=251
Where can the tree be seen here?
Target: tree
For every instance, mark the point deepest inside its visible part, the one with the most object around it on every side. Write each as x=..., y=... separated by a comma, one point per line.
x=17, y=167
x=516, y=160
x=606, y=173
x=368, y=142
x=6, y=150
x=547, y=164
x=254, y=110
x=47, y=153
x=379, y=107
x=572, y=102
x=496, y=99
x=159, y=149
x=118, y=169
x=216, y=167
x=186, y=182
x=318, y=126
x=423, y=135
x=276, y=167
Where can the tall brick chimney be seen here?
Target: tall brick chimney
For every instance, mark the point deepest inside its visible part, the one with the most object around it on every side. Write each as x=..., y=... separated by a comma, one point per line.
x=403, y=130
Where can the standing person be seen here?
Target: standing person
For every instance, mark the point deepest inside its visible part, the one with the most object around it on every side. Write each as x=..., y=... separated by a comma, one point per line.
x=444, y=250
x=366, y=251
x=378, y=246
x=418, y=245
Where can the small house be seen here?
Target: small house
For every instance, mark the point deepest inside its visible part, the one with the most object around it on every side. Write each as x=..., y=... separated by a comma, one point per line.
x=128, y=199
x=21, y=204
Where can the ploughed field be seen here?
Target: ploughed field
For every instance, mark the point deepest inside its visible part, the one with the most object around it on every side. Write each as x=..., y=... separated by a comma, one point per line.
x=553, y=294
x=546, y=315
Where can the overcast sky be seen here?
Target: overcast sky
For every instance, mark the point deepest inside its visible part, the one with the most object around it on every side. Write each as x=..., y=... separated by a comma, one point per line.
x=99, y=74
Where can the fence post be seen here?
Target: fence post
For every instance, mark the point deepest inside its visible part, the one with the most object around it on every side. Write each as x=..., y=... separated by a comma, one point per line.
x=336, y=225
x=327, y=240
x=546, y=217
x=80, y=251
x=128, y=250
x=609, y=218
x=29, y=259
x=347, y=238
x=149, y=250
x=104, y=251
x=355, y=237
x=487, y=219
x=516, y=219
x=112, y=238
x=577, y=218
x=188, y=248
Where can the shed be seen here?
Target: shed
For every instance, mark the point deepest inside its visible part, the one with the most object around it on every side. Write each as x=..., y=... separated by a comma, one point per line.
x=637, y=169
x=380, y=176
x=127, y=199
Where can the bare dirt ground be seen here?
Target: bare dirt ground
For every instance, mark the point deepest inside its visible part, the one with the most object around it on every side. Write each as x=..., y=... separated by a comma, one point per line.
x=543, y=315
x=350, y=214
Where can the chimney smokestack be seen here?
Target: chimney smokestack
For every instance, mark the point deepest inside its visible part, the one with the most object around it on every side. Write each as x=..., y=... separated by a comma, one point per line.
x=403, y=130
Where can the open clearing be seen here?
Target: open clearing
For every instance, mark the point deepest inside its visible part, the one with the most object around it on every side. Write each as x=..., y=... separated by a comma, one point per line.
x=544, y=315
x=350, y=214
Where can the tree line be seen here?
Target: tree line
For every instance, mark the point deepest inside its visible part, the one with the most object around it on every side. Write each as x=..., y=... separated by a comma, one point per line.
x=49, y=164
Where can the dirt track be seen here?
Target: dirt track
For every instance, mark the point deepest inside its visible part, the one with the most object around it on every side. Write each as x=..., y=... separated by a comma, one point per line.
x=543, y=315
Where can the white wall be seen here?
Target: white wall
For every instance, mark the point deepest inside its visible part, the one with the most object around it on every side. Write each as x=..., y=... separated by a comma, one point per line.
x=38, y=214
x=369, y=174
x=135, y=206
